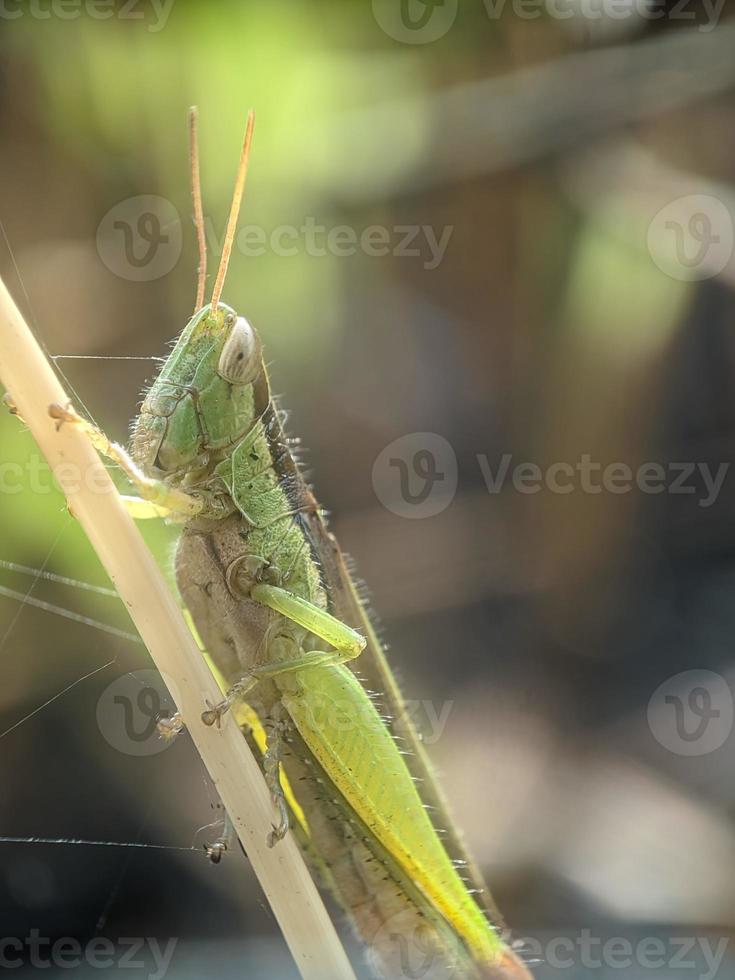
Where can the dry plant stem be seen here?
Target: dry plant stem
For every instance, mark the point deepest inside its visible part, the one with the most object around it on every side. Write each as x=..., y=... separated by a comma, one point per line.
x=33, y=386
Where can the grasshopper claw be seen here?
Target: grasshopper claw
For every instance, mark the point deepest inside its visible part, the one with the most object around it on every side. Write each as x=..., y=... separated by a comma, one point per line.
x=277, y=833
x=214, y=712
x=10, y=404
x=61, y=414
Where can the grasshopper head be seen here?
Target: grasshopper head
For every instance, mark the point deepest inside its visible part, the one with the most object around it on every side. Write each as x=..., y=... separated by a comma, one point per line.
x=210, y=391
x=213, y=385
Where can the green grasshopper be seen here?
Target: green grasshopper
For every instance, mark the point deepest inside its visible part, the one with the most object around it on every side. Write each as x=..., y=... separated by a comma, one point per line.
x=282, y=623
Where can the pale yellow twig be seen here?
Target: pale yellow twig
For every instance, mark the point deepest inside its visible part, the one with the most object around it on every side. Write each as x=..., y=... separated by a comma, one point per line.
x=33, y=386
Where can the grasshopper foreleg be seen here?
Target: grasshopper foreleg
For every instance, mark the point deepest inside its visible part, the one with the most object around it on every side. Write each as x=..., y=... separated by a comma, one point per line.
x=156, y=492
x=143, y=510
x=137, y=507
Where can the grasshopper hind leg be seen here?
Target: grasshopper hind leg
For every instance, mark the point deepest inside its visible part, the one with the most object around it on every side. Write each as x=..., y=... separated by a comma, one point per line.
x=321, y=623
x=272, y=768
x=272, y=771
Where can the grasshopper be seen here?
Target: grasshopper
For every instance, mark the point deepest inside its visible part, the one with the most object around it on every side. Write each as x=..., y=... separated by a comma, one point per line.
x=283, y=625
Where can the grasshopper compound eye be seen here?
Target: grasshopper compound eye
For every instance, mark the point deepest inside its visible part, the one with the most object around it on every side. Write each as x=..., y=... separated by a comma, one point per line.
x=240, y=360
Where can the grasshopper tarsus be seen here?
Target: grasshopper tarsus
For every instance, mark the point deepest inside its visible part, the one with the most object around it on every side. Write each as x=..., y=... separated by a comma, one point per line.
x=278, y=832
x=10, y=404
x=213, y=714
x=61, y=414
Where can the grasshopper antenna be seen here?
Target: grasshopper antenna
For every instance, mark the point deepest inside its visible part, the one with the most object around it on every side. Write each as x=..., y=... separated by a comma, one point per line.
x=196, y=194
x=242, y=171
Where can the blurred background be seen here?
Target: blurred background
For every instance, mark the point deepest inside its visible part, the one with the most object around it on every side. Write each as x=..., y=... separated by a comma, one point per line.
x=476, y=237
